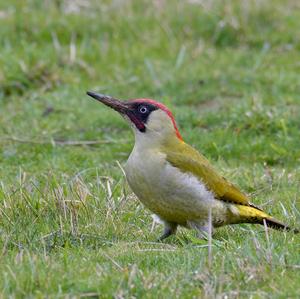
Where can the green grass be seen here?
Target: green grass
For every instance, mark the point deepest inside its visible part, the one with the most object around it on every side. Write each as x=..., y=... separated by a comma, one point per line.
x=69, y=224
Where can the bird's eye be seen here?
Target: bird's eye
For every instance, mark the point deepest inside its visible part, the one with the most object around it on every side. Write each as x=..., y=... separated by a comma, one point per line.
x=143, y=109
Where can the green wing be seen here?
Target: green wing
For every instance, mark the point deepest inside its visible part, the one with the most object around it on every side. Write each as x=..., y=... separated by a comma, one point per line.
x=187, y=159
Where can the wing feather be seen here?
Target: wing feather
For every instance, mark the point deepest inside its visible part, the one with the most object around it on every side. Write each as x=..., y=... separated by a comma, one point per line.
x=187, y=159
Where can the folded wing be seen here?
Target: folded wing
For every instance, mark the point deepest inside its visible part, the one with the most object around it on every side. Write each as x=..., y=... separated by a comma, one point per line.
x=187, y=159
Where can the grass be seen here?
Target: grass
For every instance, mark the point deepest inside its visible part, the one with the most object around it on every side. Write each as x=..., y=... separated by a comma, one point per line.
x=69, y=225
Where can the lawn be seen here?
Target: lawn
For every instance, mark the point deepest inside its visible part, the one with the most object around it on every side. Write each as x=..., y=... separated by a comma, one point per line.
x=69, y=224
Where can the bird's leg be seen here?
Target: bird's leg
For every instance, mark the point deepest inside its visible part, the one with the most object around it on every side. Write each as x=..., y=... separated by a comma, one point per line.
x=202, y=229
x=170, y=229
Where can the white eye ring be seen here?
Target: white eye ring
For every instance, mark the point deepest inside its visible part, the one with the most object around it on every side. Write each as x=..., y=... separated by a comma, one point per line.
x=143, y=109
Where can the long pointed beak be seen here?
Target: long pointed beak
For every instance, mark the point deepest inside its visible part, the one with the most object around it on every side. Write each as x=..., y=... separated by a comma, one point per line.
x=109, y=101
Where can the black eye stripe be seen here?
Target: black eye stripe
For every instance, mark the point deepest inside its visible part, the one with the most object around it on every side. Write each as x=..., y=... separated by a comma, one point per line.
x=141, y=112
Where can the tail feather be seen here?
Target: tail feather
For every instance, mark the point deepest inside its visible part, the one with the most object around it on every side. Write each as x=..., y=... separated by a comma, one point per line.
x=252, y=214
x=276, y=224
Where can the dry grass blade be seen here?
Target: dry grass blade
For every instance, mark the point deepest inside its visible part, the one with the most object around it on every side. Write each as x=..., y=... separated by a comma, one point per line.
x=209, y=239
x=112, y=260
x=60, y=142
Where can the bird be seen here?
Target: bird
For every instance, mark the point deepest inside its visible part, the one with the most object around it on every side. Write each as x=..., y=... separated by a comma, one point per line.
x=174, y=180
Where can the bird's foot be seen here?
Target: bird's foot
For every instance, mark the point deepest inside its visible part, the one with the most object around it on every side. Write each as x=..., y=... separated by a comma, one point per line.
x=202, y=235
x=170, y=229
x=203, y=230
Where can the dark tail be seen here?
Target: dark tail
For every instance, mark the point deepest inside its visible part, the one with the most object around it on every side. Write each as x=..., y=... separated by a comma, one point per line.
x=274, y=223
x=252, y=214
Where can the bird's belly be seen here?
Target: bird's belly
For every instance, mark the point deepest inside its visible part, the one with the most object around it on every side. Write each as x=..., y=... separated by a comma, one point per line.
x=174, y=196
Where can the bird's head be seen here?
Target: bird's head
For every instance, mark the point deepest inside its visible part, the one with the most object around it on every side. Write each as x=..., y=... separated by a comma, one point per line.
x=149, y=119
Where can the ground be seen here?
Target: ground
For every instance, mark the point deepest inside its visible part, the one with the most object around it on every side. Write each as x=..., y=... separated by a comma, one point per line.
x=69, y=224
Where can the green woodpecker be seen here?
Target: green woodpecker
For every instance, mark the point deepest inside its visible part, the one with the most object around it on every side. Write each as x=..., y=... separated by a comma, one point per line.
x=174, y=180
